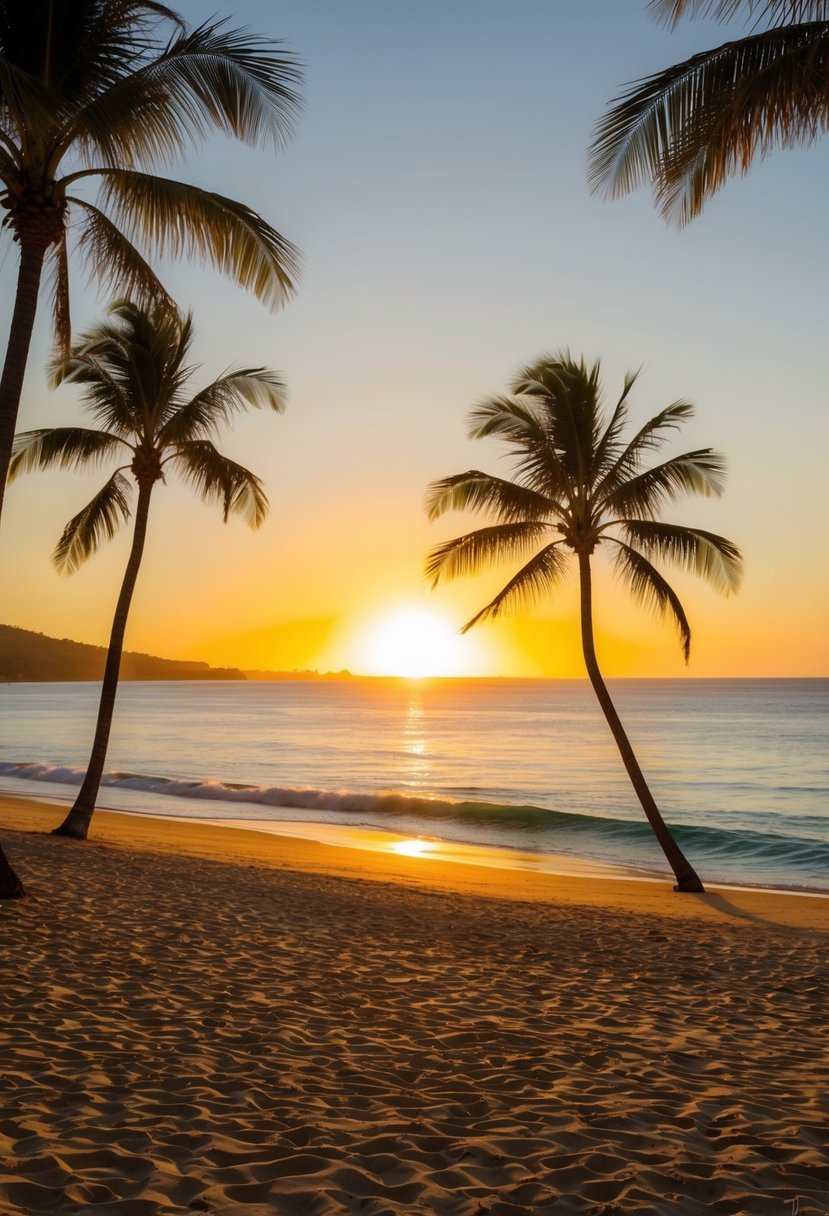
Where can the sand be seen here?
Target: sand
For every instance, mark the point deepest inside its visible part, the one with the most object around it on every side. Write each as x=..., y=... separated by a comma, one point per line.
x=205, y=1019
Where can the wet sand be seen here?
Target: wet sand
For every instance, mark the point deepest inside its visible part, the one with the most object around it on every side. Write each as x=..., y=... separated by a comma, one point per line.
x=198, y=1018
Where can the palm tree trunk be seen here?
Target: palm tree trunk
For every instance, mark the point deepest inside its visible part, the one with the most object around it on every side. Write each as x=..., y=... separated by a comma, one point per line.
x=76, y=823
x=11, y=387
x=686, y=876
x=32, y=254
x=10, y=885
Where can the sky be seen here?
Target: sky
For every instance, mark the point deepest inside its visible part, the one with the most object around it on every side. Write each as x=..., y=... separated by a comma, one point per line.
x=436, y=185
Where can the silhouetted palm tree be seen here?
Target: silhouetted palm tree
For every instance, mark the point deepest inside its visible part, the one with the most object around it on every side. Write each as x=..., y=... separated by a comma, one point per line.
x=91, y=90
x=686, y=130
x=134, y=373
x=579, y=486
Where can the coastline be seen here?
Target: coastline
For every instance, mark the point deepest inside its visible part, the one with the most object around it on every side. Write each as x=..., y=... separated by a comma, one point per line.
x=298, y=847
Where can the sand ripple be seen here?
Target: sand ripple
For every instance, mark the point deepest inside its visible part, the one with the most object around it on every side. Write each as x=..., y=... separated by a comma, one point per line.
x=185, y=1036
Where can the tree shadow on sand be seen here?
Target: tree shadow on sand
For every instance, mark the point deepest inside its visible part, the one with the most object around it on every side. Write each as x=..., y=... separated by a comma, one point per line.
x=715, y=899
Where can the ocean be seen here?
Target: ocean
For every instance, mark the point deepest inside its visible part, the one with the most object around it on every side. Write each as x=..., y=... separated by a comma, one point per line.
x=739, y=768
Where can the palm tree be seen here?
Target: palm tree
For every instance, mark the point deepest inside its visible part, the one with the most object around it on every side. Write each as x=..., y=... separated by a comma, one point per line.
x=110, y=91
x=579, y=486
x=134, y=373
x=686, y=130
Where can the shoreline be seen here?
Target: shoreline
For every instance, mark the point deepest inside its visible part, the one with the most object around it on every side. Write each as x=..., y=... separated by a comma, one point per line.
x=385, y=861
x=366, y=836
x=448, y=849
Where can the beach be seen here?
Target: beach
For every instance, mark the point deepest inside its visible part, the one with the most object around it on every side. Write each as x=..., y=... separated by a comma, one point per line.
x=200, y=1018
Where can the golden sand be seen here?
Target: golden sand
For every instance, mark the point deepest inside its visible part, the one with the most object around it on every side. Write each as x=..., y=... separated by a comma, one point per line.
x=198, y=1018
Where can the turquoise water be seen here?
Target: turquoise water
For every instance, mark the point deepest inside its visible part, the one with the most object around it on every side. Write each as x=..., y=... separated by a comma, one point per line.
x=740, y=768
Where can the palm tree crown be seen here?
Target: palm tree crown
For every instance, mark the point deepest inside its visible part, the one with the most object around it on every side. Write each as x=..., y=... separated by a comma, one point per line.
x=92, y=90
x=687, y=129
x=107, y=92
x=580, y=485
x=134, y=371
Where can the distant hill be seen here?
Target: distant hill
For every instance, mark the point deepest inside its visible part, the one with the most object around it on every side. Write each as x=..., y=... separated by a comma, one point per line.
x=29, y=657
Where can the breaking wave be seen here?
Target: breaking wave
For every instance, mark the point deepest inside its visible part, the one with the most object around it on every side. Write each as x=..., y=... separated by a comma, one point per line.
x=516, y=826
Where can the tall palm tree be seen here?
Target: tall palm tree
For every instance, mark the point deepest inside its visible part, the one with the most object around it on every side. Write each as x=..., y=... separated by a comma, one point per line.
x=109, y=91
x=580, y=486
x=687, y=129
x=134, y=373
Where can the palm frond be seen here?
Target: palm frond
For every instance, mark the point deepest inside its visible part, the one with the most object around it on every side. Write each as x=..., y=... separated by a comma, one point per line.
x=256, y=387
x=705, y=554
x=687, y=129
x=556, y=375
x=484, y=547
x=209, y=78
x=245, y=84
x=106, y=397
x=476, y=491
x=644, y=495
x=8, y=160
x=99, y=520
x=649, y=438
x=180, y=220
x=540, y=576
x=513, y=418
x=521, y=422
x=62, y=448
x=55, y=57
x=160, y=329
x=219, y=479
x=567, y=396
x=25, y=101
x=649, y=588
x=610, y=447
x=132, y=367
x=652, y=434
x=61, y=315
x=87, y=45
x=671, y=12
x=115, y=261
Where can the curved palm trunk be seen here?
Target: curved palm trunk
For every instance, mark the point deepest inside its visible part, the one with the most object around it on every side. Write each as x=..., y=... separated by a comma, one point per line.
x=10, y=885
x=687, y=878
x=11, y=387
x=29, y=275
x=76, y=823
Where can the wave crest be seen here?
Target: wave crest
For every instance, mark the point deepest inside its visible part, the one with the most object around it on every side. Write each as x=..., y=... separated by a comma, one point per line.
x=522, y=826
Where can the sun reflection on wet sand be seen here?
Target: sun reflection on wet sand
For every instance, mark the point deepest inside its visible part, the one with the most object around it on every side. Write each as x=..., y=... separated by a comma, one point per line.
x=378, y=840
x=413, y=848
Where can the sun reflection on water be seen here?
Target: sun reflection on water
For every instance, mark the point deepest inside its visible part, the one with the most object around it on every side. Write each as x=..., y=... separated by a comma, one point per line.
x=414, y=741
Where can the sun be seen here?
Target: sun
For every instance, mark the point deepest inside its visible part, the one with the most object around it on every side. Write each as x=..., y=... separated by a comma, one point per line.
x=415, y=643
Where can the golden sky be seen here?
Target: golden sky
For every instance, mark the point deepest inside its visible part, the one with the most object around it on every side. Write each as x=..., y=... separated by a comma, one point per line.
x=436, y=186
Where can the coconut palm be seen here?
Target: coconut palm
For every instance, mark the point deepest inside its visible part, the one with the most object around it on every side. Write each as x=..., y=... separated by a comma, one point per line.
x=108, y=92
x=134, y=373
x=687, y=129
x=578, y=487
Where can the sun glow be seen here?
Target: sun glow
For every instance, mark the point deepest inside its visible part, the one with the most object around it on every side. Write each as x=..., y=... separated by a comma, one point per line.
x=411, y=848
x=417, y=644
